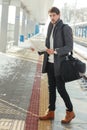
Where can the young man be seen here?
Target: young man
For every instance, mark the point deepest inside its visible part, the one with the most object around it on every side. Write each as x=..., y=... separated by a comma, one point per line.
x=59, y=43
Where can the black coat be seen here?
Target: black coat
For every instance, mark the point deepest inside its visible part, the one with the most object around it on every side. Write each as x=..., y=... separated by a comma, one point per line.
x=62, y=42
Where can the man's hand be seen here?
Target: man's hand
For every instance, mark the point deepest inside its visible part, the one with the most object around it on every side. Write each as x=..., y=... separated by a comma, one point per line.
x=50, y=51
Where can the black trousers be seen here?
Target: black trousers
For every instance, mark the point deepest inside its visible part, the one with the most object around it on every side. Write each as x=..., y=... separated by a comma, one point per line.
x=57, y=82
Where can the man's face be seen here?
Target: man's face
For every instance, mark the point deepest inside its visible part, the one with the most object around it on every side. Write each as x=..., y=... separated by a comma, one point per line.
x=54, y=17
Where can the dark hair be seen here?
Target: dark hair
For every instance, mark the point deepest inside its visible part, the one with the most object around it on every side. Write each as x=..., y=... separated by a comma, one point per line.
x=54, y=10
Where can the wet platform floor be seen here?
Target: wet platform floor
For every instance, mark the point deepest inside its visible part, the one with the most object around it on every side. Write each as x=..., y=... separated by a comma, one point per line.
x=23, y=89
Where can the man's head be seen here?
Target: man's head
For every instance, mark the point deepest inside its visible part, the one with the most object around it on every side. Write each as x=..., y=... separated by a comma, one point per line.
x=54, y=14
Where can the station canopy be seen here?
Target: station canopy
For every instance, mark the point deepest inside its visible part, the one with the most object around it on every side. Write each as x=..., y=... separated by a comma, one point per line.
x=37, y=9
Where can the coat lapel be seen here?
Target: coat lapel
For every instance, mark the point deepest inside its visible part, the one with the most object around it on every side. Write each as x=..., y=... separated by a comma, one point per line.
x=57, y=27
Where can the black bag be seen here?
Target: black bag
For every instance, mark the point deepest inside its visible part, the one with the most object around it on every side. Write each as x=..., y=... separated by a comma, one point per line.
x=72, y=68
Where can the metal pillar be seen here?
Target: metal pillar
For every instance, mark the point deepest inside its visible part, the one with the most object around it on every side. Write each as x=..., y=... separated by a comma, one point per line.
x=26, y=26
x=4, y=25
x=23, y=27
x=17, y=23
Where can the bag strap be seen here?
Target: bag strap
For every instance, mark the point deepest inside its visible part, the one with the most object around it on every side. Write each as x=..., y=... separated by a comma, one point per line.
x=63, y=36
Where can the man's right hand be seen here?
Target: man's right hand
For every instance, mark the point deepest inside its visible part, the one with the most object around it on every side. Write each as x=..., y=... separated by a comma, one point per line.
x=50, y=51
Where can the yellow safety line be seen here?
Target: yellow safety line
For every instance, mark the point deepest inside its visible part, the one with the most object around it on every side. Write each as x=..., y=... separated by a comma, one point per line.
x=43, y=125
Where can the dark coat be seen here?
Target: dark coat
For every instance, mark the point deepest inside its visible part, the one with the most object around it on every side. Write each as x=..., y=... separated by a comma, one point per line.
x=63, y=44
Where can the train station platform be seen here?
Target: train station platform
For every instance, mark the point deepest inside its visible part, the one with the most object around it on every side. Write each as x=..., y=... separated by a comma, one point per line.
x=24, y=95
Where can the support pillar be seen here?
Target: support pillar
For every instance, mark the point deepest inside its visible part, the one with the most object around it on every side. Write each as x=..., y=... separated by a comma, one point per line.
x=23, y=28
x=26, y=26
x=17, y=24
x=4, y=25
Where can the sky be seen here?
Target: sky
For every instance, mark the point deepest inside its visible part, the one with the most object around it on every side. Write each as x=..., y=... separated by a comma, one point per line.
x=78, y=3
